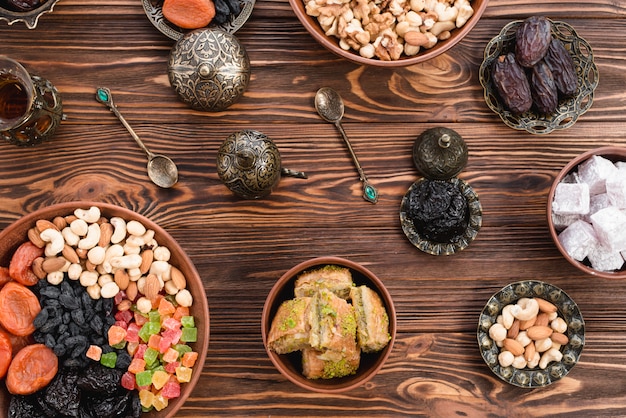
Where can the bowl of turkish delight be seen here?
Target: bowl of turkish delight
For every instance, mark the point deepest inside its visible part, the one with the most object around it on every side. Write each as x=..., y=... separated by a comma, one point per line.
x=328, y=325
x=102, y=313
x=587, y=212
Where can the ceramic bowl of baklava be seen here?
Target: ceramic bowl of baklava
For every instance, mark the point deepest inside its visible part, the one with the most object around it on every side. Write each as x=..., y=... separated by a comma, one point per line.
x=328, y=325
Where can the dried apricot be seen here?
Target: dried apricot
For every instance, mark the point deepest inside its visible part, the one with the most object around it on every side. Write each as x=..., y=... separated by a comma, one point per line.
x=32, y=368
x=18, y=308
x=5, y=276
x=21, y=262
x=6, y=353
x=189, y=14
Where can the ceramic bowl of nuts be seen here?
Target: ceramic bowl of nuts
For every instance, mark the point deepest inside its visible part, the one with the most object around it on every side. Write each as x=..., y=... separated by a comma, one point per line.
x=585, y=212
x=25, y=11
x=531, y=334
x=410, y=32
x=539, y=86
x=102, y=314
x=328, y=325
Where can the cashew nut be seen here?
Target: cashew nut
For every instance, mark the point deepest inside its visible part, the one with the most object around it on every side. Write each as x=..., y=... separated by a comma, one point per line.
x=534, y=362
x=523, y=338
x=92, y=237
x=96, y=255
x=559, y=325
x=519, y=362
x=119, y=233
x=550, y=356
x=79, y=227
x=508, y=316
x=543, y=345
x=135, y=228
x=74, y=271
x=115, y=250
x=525, y=309
x=109, y=290
x=91, y=215
x=128, y=261
x=55, y=241
x=70, y=237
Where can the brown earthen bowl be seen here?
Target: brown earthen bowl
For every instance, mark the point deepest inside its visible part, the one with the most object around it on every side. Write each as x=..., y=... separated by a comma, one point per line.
x=331, y=43
x=612, y=153
x=16, y=233
x=289, y=365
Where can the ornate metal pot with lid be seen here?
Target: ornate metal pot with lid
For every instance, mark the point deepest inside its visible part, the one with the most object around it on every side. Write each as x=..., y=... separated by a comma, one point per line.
x=249, y=164
x=209, y=69
x=440, y=214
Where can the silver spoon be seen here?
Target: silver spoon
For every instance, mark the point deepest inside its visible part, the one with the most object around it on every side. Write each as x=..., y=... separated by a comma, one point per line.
x=329, y=106
x=161, y=169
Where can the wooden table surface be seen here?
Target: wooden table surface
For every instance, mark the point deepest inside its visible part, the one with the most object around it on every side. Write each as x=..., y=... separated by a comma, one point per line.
x=242, y=247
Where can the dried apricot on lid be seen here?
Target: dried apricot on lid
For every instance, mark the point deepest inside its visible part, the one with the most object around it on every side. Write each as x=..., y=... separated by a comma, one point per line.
x=32, y=368
x=189, y=14
x=18, y=308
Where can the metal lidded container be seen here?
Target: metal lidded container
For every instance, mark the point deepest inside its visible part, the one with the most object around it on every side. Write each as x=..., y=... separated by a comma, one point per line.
x=209, y=69
x=439, y=153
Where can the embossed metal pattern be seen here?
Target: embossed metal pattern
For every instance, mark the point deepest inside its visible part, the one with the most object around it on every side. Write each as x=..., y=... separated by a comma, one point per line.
x=153, y=9
x=569, y=109
x=439, y=153
x=30, y=18
x=249, y=164
x=209, y=69
x=460, y=242
x=567, y=309
x=44, y=117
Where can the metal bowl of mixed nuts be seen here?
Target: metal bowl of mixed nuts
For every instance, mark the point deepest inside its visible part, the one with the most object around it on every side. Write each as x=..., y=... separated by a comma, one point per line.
x=398, y=34
x=531, y=334
x=537, y=95
x=102, y=313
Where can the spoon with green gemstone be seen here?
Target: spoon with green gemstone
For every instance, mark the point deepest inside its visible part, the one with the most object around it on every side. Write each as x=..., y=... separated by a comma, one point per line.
x=329, y=106
x=161, y=169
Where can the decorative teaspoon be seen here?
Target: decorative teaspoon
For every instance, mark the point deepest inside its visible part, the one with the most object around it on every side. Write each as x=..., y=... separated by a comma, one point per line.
x=161, y=169
x=329, y=106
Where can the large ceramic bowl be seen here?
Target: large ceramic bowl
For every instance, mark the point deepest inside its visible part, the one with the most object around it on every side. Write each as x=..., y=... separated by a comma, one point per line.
x=331, y=43
x=569, y=109
x=566, y=309
x=16, y=234
x=614, y=154
x=289, y=365
x=29, y=18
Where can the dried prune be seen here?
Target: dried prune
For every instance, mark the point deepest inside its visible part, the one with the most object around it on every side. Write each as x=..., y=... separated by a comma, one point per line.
x=63, y=395
x=562, y=66
x=24, y=5
x=98, y=378
x=439, y=210
x=25, y=406
x=512, y=84
x=532, y=40
x=545, y=95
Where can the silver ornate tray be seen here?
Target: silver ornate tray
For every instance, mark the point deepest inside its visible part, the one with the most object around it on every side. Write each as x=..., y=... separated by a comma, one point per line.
x=568, y=109
x=153, y=9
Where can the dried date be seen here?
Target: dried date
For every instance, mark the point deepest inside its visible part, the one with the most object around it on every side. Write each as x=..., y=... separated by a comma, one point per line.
x=532, y=40
x=562, y=66
x=545, y=95
x=512, y=84
x=24, y=5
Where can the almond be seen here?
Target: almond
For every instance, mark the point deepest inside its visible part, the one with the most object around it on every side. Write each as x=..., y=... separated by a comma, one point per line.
x=415, y=38
x=131, y=291
x=524, y=325
x=121, y=279
x=124, y=305
x=539, y=332
x=152, y=287
x=545, y=306
x=559, y=338
x=51, y=264
x=70, y=254
x=35, y=238
x=514, y=330
x=37, y=268
x=43, y=224
x=147, y=257
x=59, y=222
x=543, y=319
x=513, y=346
x=178, y=278
x=529, y=351
x=106, y=232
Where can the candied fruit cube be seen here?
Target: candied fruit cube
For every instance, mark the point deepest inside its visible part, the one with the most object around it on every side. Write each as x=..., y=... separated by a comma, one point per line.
x=164, y=343
x=148, y=329
x=137, y=365
x=171, y=367
x=182, y=348
x=170, y=355
x=187, y=321
x=116, y=334
x=154, y=316
x=146, y=398
x=166, y=307
x=160, y=378
x=189, y=359
x=571, y=199
x=180, y=312
x=154, y=340
x=189, y=335
x=109, y=359
x=132, y=333
x=171, y=323
x=94, y=352
x=124, y=316
x=150, y=356
x=128, y=381
x=172, y=335
x=171, y=389
x=160, y=402
x=144, y=378
x=183, y=374
x=577, y=239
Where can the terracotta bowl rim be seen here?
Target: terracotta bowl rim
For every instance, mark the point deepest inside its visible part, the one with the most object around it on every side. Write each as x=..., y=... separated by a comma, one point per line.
x=312, y=26
x=351, y=382
x=610, y=150
x=178, y=253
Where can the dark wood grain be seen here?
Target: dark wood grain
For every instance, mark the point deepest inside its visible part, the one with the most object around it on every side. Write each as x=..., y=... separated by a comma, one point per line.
x=241, y=247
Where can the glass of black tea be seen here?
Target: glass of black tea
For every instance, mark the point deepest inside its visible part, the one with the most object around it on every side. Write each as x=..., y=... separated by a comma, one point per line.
x=30, y=106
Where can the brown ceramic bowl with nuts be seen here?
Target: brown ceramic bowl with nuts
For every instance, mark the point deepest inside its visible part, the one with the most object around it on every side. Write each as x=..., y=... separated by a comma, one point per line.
x=531, y=334
x=582, y=217
x=291, y=365
x=18, y=233
x=365, y=48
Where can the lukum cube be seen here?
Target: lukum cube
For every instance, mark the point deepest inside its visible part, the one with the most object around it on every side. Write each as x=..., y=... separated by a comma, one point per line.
x=571, y=199
x=595, y=171
x=610, y=227
x=616, y=189
x=603, y=259
x=578, y=239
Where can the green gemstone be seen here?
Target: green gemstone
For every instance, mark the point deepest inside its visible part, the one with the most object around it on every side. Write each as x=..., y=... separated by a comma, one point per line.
x=103, y=95
x=370, y=194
